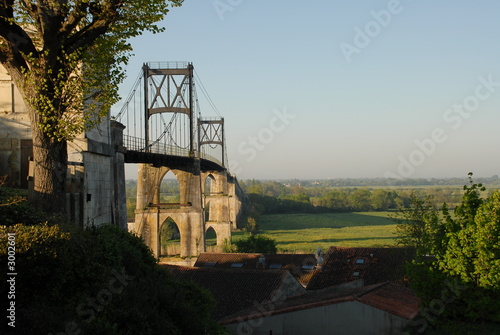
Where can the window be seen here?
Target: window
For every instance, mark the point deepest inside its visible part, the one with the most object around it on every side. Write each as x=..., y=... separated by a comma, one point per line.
x=275, y=266
x=355, y=274
x=307, y=266
x=237, y=265
x=360, y=261
x=209, y=264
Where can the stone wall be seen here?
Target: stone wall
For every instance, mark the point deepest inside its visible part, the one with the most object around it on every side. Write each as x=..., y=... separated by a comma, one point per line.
x=95, y=186
x=15, y=133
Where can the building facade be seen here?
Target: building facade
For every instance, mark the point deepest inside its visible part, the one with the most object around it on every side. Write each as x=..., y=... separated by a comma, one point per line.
x=95, y=185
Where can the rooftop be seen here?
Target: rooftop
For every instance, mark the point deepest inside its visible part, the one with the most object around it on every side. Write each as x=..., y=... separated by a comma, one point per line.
x=389, y=297
x=237, y=289
x=299, y=265
x=373, y=265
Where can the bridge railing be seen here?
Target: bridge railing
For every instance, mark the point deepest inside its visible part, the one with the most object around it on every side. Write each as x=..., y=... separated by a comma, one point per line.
x=209, y=158
x=168, y=65
x=139, y=144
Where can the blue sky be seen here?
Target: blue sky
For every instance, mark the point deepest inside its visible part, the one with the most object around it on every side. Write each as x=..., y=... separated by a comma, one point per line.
x=336, y=89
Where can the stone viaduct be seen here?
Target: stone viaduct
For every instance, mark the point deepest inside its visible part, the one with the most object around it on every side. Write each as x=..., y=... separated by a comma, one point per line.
x=208, y=199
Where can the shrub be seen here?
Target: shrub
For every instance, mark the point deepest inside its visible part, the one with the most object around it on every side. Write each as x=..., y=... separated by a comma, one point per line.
x=256, y=244
x=99, y=281
x=14, y=208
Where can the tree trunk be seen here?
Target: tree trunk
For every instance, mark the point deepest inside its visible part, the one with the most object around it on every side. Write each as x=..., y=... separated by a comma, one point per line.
x=50, y=160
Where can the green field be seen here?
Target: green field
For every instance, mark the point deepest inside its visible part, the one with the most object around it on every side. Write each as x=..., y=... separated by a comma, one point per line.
x=307, y=232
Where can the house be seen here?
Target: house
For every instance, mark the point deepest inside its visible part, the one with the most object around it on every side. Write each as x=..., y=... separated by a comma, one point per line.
x=379, y=309
x=372, y=265
x=237, y=289
x=300, y=265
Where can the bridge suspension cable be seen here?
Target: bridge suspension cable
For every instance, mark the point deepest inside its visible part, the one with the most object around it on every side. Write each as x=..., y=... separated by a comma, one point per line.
x=171, y=88
x=207, y=96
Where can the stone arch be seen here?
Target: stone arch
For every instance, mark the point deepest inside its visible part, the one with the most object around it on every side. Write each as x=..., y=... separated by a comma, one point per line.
x=209, y=183
x=222, y=234
x=170, y=238
x=169, y=188
x=210, y=237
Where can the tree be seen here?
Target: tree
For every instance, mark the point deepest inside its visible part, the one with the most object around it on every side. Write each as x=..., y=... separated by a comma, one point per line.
x=382, y=200
x=414, y=224
x=66, y=58
x=463, y=274
x=100, y=280
x=360, y=199
x=256, y=244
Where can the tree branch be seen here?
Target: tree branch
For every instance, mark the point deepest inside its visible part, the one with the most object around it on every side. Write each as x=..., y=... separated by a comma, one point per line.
x=102, y=21
x=15, y=41
x=74, y=18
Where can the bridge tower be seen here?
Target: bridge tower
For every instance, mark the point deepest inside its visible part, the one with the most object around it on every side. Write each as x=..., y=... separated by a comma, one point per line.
x=170, y=90
x=207, y=192
x=215, y=186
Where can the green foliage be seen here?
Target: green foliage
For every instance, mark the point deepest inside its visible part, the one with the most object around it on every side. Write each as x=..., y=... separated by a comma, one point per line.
x=256, y=244
x=466, y=250
x=414, y=224
x=252, y=225
x=14, y=208
x=457, y=327
x=227, y=246
x=264, y=204
x=67, y=58
x=353, y=194
x=99, y=281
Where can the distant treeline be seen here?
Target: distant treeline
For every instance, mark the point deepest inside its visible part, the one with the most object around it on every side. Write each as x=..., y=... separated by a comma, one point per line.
x=270, y=197
x=381, y=182
x=338, y=195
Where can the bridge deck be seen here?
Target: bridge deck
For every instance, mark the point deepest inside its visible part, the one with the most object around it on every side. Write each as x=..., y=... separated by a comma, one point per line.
x=166, y=155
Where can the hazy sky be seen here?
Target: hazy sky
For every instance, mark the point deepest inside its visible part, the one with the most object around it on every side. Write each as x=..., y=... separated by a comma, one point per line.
x=335, y=89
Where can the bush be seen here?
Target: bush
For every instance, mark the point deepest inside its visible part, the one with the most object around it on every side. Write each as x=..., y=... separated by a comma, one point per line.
x=99, y=281
x=256, y=244
x=14, y=208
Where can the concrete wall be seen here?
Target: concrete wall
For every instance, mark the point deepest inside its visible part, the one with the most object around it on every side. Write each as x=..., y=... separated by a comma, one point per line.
x=346, y=318
x=101, y=154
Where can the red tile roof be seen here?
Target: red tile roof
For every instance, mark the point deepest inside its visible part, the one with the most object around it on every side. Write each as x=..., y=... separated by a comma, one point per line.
x=299, y=265
x=395, y=299
x=373, y=265
x=391, y=298
x=237, y=289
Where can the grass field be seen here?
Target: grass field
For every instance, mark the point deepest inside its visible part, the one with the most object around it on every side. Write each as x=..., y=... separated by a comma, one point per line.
x=307, y=232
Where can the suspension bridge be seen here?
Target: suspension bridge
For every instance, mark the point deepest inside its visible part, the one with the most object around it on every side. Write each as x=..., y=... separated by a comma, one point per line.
x=163, y=121
x=165, y=131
